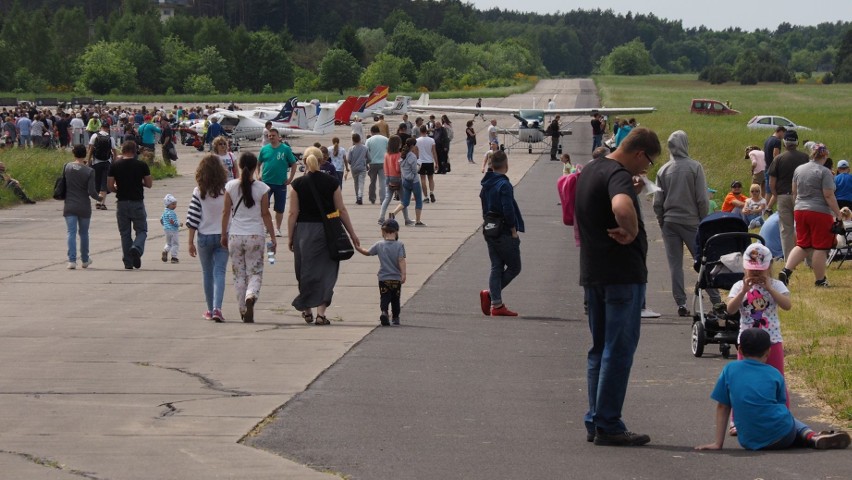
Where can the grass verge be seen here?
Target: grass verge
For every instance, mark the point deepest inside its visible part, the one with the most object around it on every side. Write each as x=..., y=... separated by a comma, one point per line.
x=37, y=169
x=818, y=329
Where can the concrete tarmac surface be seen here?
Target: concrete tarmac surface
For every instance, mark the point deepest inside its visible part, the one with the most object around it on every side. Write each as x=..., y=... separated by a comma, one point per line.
x=112, y=374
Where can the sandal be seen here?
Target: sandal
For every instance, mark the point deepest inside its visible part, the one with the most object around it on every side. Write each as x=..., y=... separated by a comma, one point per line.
x=732, y=431
x=321, y=320
x=308, y=316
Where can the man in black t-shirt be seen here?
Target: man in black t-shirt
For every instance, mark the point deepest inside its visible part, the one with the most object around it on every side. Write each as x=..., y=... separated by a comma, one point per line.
x=781, y=185
x=613, y=247
x=128, y=176
x=771, y=149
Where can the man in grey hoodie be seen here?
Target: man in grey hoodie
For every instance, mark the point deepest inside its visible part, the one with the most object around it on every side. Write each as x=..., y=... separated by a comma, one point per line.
x=679, y=207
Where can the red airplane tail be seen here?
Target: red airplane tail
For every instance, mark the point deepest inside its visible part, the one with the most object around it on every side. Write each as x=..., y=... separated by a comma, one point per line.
x=344, y=111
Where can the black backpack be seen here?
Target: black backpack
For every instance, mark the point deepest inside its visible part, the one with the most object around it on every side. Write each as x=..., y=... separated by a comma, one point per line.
x=103, y=147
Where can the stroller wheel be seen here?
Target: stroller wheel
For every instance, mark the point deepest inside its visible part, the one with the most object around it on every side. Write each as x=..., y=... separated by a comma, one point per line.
x=726, y=350
x=699, y=338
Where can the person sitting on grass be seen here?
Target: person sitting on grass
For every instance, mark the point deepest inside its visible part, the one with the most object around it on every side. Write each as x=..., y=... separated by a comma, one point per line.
x=734, y=200
x=758, y=393
x=7, y=181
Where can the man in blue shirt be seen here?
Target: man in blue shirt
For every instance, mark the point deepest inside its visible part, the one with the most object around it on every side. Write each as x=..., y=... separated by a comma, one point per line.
x=148, y=132
x=843, y=185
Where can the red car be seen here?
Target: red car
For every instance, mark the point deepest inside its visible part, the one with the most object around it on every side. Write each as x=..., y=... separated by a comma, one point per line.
x=711, y=107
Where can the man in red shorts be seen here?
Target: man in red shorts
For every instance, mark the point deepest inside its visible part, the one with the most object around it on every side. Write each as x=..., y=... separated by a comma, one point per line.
x=815, y=210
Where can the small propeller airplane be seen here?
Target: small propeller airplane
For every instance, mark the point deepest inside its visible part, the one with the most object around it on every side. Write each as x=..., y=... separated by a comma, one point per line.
x=246, y=127
x=531, y=122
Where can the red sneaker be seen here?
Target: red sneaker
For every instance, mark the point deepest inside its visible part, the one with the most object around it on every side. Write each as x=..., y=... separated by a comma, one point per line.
x=502, y=311
x=485, y=302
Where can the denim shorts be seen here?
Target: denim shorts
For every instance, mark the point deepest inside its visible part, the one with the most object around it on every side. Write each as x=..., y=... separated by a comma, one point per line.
x=278, y=194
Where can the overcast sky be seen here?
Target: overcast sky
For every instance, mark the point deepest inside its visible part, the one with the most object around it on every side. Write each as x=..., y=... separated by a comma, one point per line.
x=717, y=15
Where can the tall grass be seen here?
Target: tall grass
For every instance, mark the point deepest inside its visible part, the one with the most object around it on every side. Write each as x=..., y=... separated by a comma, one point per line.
x=37, y=169
x=818, y=329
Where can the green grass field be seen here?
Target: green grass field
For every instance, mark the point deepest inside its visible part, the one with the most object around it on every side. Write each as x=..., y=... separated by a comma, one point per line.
x=818, y=330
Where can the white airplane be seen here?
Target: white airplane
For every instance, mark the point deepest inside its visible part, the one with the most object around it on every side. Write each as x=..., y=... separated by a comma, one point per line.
x=531, y=122
x=243, y=127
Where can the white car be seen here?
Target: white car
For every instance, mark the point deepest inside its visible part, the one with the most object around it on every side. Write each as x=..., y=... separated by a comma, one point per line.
x=773, y=122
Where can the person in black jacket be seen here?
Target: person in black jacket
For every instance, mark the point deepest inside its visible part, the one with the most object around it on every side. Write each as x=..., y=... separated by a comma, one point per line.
x=554, y=134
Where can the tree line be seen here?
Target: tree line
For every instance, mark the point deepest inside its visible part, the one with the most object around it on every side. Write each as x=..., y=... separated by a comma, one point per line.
x=218, y=46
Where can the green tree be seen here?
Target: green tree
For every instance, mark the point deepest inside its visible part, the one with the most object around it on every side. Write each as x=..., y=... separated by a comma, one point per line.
x=409, y=41
x=803, y=61
x=843, y=66
x=396, y=17
x=182, y=62
x=431, y=75
x=388, y=70
x=67, y=46
x=632, y=58
x=146, y=64
x=373, y=40
x=348, y=40
x=339, y=70
x=103, y=69
x=200, y=84
x=267, y=62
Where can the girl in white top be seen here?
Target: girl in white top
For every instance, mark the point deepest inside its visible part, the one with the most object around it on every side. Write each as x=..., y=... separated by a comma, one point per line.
x=754, y=207
x=337, y=155
x=220, y=148
x=245, y=223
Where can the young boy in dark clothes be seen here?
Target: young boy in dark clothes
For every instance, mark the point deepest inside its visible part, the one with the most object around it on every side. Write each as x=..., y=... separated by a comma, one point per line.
x=758, y=394
x=391, y=253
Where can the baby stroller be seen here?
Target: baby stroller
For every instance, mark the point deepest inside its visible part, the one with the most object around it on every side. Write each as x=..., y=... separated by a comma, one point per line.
x=719, y=235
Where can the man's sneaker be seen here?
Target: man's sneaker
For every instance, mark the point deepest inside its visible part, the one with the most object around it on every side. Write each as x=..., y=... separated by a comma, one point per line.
x=648, y=313
x=359, y=202
x=208, y=315
x=409, y=223
x=425, y=199
x=590, y=437
x=395, y=321
x=383, y=319
x=822, y=283
x=621, y=439
x=419, y=224
x=136, y=257
x=277, y=232
x=86, y=263
x=165, y=256
x=71, y=265
x=485, y=302
x=432, y=197
x=784, y=275
x=682, y=311
x=830, y=440
x=502, y=311
x=175, y=260
x=217, y=316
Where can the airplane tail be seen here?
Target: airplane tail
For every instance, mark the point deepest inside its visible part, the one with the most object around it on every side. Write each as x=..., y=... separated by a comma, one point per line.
x=299, y=119
x=377, y=98
x=325, y=120
x=423, y=101
x=402, y=104
x=286, y=111
x=344, y=111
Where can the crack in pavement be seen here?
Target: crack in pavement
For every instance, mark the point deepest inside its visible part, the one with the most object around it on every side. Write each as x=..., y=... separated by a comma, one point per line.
x=207, y=382
x=49, y=463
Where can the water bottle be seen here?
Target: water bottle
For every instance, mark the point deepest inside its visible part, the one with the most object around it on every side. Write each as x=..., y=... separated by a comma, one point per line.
x=270, y=254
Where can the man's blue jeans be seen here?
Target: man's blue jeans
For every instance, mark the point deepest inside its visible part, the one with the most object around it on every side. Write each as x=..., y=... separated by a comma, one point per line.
x=131, y=213
x=505, y=254
x=597, y=141
x=614, y=321
x=214, y=260
x=75, y=224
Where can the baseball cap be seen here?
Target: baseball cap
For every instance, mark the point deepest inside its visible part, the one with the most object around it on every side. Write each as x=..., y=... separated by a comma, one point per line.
x=843, y=164
x=791, y=136
x=754, y=342
x=736, y=183
x=169, y=199
x=390, y=225
x=757, y=257
x=147, y=118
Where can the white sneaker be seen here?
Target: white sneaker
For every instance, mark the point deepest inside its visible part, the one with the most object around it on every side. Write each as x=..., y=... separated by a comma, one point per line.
x=71, y=265
x=86, y=264
x=648, y=313
x=277, y=232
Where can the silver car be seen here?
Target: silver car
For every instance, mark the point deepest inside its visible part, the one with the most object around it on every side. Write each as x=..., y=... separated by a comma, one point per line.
x=773, y=122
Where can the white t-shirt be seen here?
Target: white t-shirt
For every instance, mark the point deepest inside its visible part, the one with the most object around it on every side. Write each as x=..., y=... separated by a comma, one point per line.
x=759, y=309
x=247, y=221
x=77, y=125
x=752, y=206
x=337, y=160
x=758, y=162
x=424, y=146
x=492, y=134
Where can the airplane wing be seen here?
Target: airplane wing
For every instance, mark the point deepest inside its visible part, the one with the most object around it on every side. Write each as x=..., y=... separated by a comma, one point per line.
x=423, y=105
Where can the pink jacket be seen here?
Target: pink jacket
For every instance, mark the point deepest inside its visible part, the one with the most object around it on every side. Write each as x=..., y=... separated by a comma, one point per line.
x=567, y=187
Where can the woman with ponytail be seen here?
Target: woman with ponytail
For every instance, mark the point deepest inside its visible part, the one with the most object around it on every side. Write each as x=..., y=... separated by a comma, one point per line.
x=315, y=194
x=245, y=223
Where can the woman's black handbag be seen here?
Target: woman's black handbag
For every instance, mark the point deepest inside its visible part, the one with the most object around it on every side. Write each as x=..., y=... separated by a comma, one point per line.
x=60, y=188
x=336, y=239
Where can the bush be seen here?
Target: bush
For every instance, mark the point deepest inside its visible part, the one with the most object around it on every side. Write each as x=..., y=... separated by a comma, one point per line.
x=827, y=79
